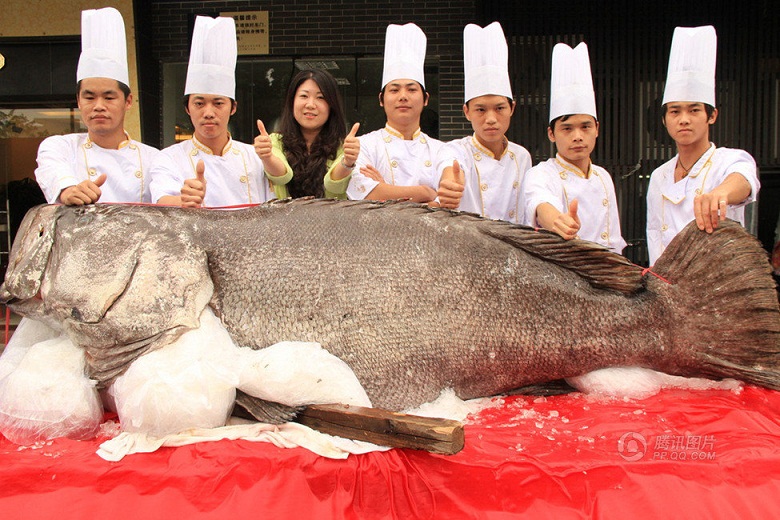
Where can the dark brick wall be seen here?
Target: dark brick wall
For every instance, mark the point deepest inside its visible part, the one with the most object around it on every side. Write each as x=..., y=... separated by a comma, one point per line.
x=306, y=27
x=628, y=43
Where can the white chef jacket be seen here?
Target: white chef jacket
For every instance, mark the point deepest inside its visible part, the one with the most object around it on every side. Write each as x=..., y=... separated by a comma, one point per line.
x=670, y=204
x=401, y=162
x=236, y=177
x=493, y=185
x=67, y=160
x=558, y=182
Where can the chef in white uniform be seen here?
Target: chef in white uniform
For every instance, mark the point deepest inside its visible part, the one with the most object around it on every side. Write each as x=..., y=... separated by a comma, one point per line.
x=104, y=164
x=397, y=161
x=568, y=194
x=211, y=169
x=483, y=173
x=701, y=182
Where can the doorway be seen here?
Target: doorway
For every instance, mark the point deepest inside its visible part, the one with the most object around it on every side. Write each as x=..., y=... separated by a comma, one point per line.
x=21, y=131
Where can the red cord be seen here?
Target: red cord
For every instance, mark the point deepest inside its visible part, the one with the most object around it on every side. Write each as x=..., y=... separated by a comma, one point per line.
x=236, y=206
x=648, y=270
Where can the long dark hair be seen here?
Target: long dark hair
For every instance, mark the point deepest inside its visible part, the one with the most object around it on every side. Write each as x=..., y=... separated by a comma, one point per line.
x=309, y=167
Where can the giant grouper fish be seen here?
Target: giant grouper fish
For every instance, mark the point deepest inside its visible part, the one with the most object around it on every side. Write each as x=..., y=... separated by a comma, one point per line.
x=414, y=300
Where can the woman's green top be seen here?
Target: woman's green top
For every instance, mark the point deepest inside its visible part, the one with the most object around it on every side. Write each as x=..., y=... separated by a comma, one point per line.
x=333, y=189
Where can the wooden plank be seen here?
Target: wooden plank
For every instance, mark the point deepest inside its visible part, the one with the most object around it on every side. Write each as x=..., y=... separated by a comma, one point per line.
x=385, y=428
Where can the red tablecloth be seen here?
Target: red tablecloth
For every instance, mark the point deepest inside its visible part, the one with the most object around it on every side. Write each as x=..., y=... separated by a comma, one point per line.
x=679, y=454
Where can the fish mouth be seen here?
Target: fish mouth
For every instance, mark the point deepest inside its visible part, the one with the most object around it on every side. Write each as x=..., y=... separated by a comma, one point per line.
x=6, y=298
x=30, y=307
x=9, y=299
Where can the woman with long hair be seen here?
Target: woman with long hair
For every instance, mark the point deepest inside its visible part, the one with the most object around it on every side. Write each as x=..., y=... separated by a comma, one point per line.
x=312, y=154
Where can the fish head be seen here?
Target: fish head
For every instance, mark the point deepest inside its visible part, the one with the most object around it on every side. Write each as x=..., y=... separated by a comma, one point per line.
x=28, y=259
x=118, y=280
x=122, y=274
x=92, y=260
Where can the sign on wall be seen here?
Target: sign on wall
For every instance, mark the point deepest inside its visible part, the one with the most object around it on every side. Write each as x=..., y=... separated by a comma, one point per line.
x=251, y=31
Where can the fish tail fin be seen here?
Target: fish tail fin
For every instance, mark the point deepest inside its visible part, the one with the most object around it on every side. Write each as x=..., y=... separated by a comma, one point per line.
x=725, y=311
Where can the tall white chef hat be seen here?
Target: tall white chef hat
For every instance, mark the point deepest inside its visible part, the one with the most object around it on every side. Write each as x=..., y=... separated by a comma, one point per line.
x=691, y=75
x=212, y=67
x=485, y=61
x=404, y=54
x=103, y=46
x=571, y=89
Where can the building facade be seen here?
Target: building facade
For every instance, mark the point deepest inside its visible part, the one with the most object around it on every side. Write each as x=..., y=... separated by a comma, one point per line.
x=628, y=43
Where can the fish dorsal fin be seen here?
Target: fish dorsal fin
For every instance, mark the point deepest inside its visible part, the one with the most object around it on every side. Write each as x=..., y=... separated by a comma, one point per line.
x=598, y=265
x=601, y=267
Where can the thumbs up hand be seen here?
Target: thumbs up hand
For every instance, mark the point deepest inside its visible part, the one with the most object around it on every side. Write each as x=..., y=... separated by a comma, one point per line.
x=85, y=192
x=568, y=224
x=460, y=175
x=351, y=147
x=453, y=182
x=194, y=190
x=263, y=146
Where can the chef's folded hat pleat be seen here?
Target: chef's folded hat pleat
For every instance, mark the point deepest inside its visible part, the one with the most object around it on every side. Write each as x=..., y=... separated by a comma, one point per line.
x=691, y=74
x=103, y=46
x=404, y=54
x=485, y=61
x=571, y=82
x=213, y=54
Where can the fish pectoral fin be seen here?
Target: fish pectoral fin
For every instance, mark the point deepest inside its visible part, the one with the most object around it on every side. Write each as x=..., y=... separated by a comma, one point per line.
x=266, y=411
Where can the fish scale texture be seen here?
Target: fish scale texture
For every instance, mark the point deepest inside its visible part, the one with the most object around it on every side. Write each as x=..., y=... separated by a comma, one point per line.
x=414, y=300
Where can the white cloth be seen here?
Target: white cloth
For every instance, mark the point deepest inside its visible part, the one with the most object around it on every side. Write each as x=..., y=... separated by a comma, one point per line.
x=103, y=46
x=485, y=61
x=183, y=392
x=297, y=373
x=66, y=160
x=691, y=72
x=557, y=182
x=404, y=54
x=236, y=177
x=571, y=90
x=27, y=333
x=189, y=383
x=493, y=185
x=670, y=204
x=44, y=392
x=213, y=54
x=288, y=435
x=401, y=162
